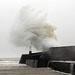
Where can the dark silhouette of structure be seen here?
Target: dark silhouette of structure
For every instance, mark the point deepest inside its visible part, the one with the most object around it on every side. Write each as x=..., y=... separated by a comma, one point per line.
x=59, y=58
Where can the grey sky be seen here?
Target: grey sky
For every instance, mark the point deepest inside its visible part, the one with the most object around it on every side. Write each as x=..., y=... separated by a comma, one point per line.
x=61, y=13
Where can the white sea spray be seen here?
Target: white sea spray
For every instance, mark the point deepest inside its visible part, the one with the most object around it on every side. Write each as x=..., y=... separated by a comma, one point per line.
x=32, y=30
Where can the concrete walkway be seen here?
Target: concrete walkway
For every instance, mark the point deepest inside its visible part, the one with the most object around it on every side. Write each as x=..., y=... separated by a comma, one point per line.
x=13, y=68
